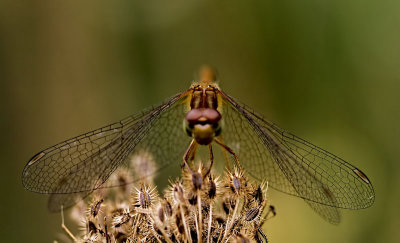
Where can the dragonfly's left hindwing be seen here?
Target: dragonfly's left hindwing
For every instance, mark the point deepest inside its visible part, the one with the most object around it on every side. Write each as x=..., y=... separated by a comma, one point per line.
x=293, y=165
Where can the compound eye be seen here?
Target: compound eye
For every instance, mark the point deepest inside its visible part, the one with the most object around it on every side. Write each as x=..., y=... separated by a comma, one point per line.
x=212, y=115
x=193, y=116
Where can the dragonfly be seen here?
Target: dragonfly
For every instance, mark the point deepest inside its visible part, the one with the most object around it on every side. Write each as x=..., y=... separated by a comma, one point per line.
x=211, y=118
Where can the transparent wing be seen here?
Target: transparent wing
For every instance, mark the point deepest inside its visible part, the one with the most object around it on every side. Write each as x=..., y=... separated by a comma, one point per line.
x=84, y=163
x=330, y=214
x=65, y=200
x=293, y=165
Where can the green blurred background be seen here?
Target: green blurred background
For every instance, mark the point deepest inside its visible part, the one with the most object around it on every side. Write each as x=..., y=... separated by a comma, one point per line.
x=326, y=70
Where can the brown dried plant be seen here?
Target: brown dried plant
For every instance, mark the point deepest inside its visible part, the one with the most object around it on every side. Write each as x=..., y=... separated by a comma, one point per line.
x=200, y=207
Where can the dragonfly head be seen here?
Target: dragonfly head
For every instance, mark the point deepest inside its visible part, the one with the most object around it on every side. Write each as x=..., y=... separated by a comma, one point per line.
x=203, y=124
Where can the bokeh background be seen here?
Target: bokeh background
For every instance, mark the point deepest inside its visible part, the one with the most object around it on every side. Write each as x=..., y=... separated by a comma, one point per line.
x=327, y=70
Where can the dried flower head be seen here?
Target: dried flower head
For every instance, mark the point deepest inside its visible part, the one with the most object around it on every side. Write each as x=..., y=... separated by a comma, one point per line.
x=198, y=208
x=95, y=207
x=236, y=182
x=121, y=219
x=178, y=193
x=144, y=166
x=145, y=196
x=212, y=187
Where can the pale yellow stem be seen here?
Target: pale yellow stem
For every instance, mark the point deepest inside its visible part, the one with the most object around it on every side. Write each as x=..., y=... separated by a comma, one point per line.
x=209, y=224
x=200, y=232
x=184, y=225
x=65, y=227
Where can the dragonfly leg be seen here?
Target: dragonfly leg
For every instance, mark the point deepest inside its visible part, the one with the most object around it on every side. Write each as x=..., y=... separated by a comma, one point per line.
x=225, y=153
x=229, y=150
x=210, y=152
x=261, y=232
x=188, y=153
x=193, y=155
x=271, y=209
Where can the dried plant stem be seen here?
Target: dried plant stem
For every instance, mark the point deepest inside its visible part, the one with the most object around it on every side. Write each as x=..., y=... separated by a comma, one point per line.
x=197, y=225
x=231, y=220
x=219, y=237
x=200, y=231
x=155, y=236
x=65, y=227
x=136, y=225
x=187, y=232
x=209, y=224
x=166, y=238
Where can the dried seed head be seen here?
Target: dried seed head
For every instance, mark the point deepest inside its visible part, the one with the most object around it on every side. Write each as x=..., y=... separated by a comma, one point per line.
x=119, y=209
x=145, y=196
x=158, y=234
x=90, y=238
x=178, y=216
x=123, y=178
x=121, y=219
x=212, y=189
x=228, y=205
x=192, y=198
x=252, y=213
x=167, y=208
x=241, y=239
x=144, y=164
x=144, y=199
x=160, y=214
x=123, y=181
x=235, y=186
x=178, y=193
x=258, y=195
x=212, y=186
x=121, y=237
x=92, y=229
x=193, y=180
x=237, y=182
x=79, y=212
x=197, y=181
x=220, y=220
x=95, y=208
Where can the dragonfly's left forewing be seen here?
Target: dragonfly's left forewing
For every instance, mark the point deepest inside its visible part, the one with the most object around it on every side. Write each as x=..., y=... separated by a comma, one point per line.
x=76, y=167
